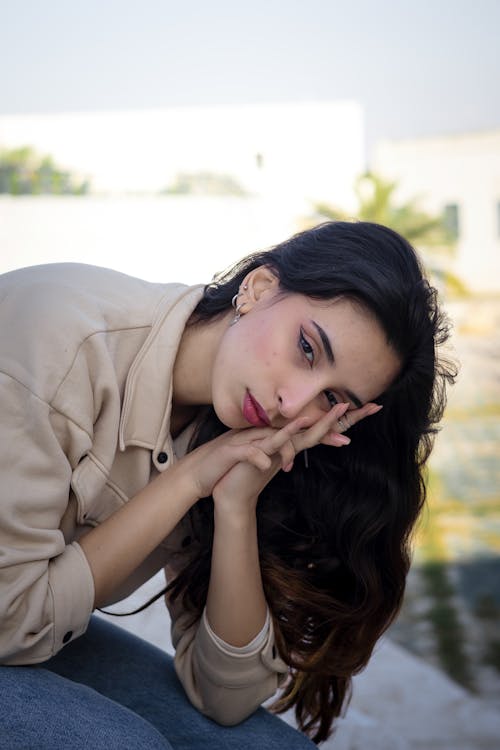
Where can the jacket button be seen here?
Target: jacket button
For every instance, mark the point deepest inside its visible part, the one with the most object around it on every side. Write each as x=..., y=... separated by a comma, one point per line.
x=162, y=458
x=68, y=636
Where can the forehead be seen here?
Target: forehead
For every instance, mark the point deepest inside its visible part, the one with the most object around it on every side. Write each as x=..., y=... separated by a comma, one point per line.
x=344, y=309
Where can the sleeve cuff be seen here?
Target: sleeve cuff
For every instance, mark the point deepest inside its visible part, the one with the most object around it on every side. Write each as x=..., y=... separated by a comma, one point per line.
x=72, y=586
x=226, y=686
x=235, y=669
x=249, y=649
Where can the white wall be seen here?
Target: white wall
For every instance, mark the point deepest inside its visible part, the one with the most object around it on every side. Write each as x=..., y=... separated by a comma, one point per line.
x=159, y=238
x=462, y=170
x=310, y=151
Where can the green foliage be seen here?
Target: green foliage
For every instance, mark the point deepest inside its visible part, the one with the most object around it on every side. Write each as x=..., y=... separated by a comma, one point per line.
x=448, y=630
x=376, y=203
x=486, y=607
x=204, y=183
x=24, y=172
x=442, y=614
x=430, y=234
x=492, y=655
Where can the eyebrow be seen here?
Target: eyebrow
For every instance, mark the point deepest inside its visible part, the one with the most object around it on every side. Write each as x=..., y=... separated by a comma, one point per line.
x=329, y=355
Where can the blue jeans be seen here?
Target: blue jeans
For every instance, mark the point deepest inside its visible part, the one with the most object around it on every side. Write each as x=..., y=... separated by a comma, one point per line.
x=109, y=689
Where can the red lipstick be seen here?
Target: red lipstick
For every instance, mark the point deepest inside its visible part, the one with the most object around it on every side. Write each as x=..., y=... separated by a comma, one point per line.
x=253, y=412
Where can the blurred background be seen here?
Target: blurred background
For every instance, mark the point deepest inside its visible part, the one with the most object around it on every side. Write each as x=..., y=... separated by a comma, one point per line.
x=168, y=139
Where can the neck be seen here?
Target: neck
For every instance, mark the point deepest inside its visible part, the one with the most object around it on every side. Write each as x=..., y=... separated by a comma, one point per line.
x=192, y=376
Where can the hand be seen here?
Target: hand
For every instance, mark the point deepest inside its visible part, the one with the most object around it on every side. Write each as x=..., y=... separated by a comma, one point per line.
x=337, y=421
x=207, y=464
x=244, y=482
x=300, y=434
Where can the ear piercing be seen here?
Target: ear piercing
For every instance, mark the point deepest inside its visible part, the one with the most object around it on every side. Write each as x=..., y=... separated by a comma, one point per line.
x=237, y=307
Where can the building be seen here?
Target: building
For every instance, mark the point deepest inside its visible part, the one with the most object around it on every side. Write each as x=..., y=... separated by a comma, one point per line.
x=458, y=175
x=301, y=151
x=284, y=156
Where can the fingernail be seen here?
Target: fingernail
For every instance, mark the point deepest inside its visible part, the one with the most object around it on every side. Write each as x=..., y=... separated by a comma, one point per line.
x=343, y=440
x=288, y=467
x=340, y=439
x=374, y=409
x=341, y=409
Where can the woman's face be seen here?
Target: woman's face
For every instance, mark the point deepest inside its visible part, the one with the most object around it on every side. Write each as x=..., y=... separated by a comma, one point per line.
x=290, y=356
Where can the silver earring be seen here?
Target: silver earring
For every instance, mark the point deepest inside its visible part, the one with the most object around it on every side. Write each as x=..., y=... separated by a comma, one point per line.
x=237, y=308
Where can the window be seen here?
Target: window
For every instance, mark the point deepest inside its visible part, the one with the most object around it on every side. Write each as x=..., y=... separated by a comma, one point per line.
x=451, y=219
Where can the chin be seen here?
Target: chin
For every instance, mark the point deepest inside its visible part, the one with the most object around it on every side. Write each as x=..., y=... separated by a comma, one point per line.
x=230, y=420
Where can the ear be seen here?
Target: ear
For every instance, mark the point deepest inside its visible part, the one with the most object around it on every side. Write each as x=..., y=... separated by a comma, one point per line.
x=258, y=286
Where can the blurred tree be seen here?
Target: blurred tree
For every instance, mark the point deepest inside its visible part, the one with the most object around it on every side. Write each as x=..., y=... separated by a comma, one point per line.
x=430, y=234
x=204, y=183
x=23, y=172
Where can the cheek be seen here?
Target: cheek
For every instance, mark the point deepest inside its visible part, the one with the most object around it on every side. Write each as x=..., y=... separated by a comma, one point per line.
x=249, y=352
x=267, y=352
x=259, y=347
x=239, y=354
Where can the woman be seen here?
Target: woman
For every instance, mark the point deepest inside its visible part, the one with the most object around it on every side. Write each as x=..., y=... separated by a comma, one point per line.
x=148, y=425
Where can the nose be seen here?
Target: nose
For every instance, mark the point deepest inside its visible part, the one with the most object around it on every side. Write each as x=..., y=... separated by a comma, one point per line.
x=297, y=399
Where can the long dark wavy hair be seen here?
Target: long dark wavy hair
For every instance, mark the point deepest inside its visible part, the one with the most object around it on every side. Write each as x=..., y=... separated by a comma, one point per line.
x=334, y=538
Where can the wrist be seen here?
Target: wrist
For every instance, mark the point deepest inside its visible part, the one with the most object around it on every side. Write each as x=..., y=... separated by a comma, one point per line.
x=180, y=482
x=238, y=517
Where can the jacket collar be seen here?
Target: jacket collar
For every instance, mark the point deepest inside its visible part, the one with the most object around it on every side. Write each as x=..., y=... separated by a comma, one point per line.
x=147, y=401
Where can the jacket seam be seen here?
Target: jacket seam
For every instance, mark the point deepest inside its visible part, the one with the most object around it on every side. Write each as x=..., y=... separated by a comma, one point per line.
x=53, y=605
x=46, y=403
x=84, y=341
x=105, y=473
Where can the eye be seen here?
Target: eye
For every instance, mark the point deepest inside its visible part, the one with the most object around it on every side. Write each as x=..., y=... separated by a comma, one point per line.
x=331, y=398
x=306, y=348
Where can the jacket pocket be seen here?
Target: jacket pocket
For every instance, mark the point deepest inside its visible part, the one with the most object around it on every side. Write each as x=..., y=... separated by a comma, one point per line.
x=97, y=497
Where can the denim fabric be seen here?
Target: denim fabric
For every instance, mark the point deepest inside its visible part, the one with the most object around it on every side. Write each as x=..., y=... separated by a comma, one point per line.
x=110, y=689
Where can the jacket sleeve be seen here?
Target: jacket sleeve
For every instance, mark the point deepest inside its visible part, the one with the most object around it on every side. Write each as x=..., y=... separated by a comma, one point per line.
x=225, y=686
x=46, y=586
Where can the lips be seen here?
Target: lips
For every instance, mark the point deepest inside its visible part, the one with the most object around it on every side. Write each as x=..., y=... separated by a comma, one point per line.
x=253, y=412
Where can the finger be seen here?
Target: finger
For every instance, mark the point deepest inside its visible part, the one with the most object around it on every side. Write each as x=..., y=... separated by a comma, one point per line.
x=258, y=458
x=287, y=454
x=280, y=442
x=273, y=443
x=335, y=439
x=352, y=417
x=324, y=426
x=348, y=419
x=248, y=434
x=231, y=454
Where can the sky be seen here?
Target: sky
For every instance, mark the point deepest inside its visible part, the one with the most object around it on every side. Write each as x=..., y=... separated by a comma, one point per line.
x=418, y=68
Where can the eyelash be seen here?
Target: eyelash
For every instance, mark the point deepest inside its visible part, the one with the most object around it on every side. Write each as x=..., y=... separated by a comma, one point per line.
x=306, y=348
x=307, y=351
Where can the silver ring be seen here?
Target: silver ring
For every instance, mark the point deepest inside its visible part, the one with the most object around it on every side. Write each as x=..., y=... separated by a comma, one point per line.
x=339, y=420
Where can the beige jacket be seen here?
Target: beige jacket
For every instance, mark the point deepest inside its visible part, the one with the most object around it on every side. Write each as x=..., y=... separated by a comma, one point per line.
x=86, y=358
